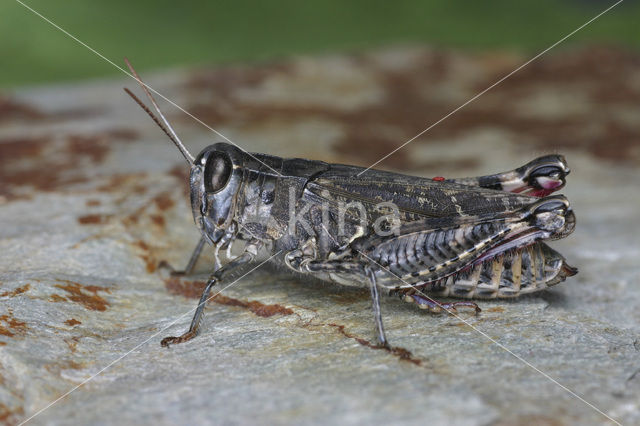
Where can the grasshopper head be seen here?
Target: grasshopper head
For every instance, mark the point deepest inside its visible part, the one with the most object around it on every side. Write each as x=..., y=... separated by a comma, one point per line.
x=216, y=174
x=215, y=180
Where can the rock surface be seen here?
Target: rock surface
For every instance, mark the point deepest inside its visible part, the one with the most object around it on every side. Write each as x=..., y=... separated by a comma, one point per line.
x=92, y=197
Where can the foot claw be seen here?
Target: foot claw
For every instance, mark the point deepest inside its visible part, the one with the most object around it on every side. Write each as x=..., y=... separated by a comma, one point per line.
x=163, y=264
x=383, y=344
x=167, y=341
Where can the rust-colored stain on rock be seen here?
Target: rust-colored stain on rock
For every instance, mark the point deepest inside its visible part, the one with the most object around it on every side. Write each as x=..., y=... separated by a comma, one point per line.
x=122, y=134
x=186, y=288
x=258, y=308
x=16, y=291
x=181, y=174
x=604, y=76
x=401, y=353
x=10, y=416
x=193, y=289
x=21, y=148
x=11, y=110
x=95, y=147
x=56, y=367
x=164, y=201
x=146, y=256
x=349, y=296
x=71, y=322
x=10, y=326
x=57, y=298
x=118, y=182
x=87, y=296
x=51, y=163
x=93, y=219
x=72, y=343
x=158, y=220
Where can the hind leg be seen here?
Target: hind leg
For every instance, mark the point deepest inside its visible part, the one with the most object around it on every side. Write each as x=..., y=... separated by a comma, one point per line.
x=538, y=178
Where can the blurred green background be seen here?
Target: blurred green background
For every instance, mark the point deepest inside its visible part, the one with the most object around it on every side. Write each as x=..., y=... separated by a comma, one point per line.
x=161, y=33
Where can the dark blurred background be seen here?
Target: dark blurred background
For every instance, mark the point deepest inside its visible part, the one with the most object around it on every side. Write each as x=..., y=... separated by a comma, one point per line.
x=163, y=33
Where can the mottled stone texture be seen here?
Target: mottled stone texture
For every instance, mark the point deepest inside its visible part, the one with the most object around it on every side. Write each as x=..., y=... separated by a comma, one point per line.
x=92, y=197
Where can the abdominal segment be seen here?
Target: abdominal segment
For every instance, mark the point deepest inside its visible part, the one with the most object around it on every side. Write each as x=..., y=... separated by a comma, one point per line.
x=510, y=274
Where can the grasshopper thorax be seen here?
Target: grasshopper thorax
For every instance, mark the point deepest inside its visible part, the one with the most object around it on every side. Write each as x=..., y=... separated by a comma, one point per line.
x=215, y=181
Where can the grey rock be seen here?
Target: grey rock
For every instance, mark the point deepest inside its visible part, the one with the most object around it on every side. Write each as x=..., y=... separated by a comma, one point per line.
x=93, y=197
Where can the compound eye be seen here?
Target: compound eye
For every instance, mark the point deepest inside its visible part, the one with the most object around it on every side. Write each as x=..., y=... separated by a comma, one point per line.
x=217, y=172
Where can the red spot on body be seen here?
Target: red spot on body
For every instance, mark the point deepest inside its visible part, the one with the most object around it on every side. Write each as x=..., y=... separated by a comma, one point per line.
x=540, y=193
x=71, y=322
x=438, y=179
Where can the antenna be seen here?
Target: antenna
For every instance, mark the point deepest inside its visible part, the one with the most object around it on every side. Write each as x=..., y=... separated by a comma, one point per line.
x=155, y=119
x=166, y=128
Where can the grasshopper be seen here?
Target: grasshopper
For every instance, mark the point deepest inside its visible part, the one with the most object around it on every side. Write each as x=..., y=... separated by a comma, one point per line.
x=480, y=237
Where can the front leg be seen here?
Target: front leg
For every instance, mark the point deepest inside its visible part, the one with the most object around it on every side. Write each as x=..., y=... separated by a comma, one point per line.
x=192, y=261
x=248, y=255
